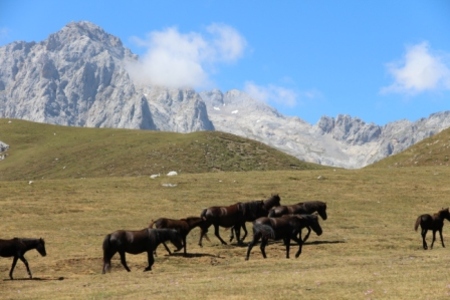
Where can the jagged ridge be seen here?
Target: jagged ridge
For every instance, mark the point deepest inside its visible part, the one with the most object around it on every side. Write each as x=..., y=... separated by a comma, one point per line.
x=78, y=77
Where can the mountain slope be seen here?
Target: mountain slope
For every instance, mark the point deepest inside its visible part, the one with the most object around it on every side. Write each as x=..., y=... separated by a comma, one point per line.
x=79, y=77
x=343, y=141
x=48, y=151
x=433, y=151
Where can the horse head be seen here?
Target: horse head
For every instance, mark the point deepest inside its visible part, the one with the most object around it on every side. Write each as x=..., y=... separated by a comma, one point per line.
x=445, y=213
x=323, y=211
x=313, y=222
x=41, y=247
x=273, y=201
x=176, y=239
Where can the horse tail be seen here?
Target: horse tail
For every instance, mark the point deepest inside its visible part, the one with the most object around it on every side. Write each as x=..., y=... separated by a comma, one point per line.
x=203, y=214
x=152, y=222
x=106, y=243
x=265, y=230
x=419, y=219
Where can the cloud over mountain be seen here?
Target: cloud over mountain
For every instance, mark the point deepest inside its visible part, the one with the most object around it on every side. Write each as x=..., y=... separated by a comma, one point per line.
x=186, y=60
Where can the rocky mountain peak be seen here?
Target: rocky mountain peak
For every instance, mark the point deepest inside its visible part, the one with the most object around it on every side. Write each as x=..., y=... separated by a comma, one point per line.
x=77, y=77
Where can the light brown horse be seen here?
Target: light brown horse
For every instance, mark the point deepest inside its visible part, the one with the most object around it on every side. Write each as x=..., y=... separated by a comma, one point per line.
x=17, y=247
x=135, y=242
x=433, y=222
x=183, y=226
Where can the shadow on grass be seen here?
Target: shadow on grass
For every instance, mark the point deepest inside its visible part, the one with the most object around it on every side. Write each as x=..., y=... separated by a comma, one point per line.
x=35, y=279
x=191, y=255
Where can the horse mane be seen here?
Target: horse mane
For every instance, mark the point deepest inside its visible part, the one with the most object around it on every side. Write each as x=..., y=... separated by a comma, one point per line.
x=252, y=208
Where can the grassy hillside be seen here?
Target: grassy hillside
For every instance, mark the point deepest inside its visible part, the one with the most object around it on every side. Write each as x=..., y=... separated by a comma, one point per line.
x=433, y=151
x=368, y=249
x=48, y=151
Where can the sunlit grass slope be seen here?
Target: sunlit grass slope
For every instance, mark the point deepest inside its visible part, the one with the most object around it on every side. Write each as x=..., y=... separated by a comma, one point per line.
x=48, y=151
x=433, y=151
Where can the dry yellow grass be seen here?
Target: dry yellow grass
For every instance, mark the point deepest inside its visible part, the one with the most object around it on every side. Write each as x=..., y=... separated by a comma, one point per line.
x=368, y=250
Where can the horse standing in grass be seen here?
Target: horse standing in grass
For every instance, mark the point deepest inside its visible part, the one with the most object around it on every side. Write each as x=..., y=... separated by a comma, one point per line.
x=235, y=216
x=254, y=210
x=307, y=207
x=433, y=222
x=183, y=226
x=17, y=247
x=285, y=228
x=135, y=242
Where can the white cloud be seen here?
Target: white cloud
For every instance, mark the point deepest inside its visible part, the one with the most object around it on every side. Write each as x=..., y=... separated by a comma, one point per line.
x=420, y=70
x=176, y=59
x=272, y=93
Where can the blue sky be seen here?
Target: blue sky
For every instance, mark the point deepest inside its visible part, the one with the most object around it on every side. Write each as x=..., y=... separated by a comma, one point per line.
x=380, y=61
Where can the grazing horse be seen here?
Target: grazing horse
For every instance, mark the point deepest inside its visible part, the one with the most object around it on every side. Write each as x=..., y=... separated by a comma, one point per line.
x=135, y=242
x=235, y=216
x=433, y=222
x=256, y=209
x=307, y=207
x=17, y=247
x=183, y=226
x=285, y=228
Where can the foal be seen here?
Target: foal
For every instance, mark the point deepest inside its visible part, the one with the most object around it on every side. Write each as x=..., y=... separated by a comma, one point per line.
x=433, y=222
x=17, y=247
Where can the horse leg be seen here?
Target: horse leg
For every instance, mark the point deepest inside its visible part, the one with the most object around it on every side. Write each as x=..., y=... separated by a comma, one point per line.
x=434, y=238
x=13, y=266
x=300, y=244
x=25, y=262
x=107, y=255
x=264, y=243
x=287, y=242
x=442, y=239
x=256, y=238
x=123, y=261
x=184, y=245
x=150, y=259
x=307, y=235
x=167, y=248
x=216, y=232
x=231, y=234
x=245, y=232
x=424, y=242
x=203, y=234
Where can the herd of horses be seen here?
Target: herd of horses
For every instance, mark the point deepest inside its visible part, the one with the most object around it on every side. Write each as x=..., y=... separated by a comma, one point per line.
x=271, y=221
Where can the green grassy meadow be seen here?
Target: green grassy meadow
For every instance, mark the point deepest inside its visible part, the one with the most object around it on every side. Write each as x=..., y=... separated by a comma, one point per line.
x=368, y=249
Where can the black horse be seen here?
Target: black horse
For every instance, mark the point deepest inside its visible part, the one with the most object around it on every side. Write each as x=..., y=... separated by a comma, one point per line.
x=17, y=247
x=286, y=228
x=135, y=242
x=254, y=210
x=183, y=226
x=235, y=216
x=307, y=207
x=433, y=222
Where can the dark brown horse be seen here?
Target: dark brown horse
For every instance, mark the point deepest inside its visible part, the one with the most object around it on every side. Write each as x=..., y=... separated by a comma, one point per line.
x=183, y=226
x=284, y=228
x=433, y=222
x=135, y=242
x=307, y=207
x=17, y=247
x=256, y=209
x=235, y=216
